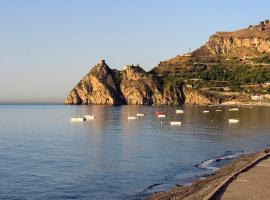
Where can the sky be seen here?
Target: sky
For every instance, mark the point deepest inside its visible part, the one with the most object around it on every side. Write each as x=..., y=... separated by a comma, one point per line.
x=47, y=46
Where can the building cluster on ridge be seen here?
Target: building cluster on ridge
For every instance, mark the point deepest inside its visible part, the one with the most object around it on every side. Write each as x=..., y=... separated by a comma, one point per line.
x=262, y=25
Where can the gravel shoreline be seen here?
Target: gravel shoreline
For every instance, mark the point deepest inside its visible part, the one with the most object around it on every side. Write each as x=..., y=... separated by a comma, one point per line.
x=200, y=189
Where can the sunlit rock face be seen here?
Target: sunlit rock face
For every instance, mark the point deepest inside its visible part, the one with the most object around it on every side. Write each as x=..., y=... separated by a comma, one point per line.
x=244, y=42
x=99, y=86
x=133, y=86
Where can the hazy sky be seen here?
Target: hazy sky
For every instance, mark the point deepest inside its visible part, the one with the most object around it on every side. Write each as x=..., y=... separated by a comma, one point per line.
x=47, y=46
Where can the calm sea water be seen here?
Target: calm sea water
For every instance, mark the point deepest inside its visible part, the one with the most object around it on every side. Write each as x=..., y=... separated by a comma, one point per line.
x=45, y=156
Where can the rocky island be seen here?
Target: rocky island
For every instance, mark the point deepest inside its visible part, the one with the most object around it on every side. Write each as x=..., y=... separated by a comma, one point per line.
x=232, y=67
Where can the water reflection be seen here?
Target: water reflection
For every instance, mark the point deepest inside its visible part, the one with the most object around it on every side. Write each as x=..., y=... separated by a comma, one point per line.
x=112, y=157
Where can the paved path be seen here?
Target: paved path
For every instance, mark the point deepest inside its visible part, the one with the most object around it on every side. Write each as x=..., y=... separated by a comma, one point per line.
x=251, y=185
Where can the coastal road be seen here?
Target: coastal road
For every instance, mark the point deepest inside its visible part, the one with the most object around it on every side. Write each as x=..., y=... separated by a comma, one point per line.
x=253, y=184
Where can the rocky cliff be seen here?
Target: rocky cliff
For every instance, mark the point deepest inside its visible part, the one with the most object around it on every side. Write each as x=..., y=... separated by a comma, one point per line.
x=139, y=88
x=249, y=47
x=195, y=98
x=99, y=86
x=133, y=85
x=249, y=41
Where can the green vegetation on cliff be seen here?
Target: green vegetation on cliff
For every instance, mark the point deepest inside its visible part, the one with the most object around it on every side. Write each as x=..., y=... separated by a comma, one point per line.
x=218, y=72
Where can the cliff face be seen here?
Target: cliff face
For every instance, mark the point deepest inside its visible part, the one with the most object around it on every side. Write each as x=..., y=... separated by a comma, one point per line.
x=225, y=45
x=194, y=97
x=99, y=86
x=249, y=41
x=139, y=88
x=244, y=44
x=133, y=85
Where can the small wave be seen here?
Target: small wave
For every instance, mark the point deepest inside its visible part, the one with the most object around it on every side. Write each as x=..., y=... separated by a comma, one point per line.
x=153, y=185
x=206, y=164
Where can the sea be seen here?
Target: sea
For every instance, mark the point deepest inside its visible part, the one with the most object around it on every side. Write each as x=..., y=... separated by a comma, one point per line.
x=43, y=155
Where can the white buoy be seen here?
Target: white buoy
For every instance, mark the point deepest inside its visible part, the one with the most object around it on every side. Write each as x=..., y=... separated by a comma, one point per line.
x=179, y=111
x=89, y=117
x=233, y=109
x=77, y=119
x=218, y=110
x=140, y=114
x=132, y=117
x=233, y=121
x=161, y=116
x=175, y=123
x=206, y=111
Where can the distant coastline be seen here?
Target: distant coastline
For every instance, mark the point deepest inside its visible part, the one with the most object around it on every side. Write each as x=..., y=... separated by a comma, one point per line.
x=244, y=104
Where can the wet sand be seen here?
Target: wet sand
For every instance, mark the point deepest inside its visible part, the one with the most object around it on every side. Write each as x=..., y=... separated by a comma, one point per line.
x=213, y=186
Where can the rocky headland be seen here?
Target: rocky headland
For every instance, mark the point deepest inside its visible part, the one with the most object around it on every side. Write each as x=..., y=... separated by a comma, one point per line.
x=133, y=86
x=230, y=67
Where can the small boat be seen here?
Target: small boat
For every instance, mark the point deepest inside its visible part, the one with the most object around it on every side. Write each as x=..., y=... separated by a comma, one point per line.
x=179, y=111
x=233, y=121
x=89, y=117
x=161, y=115
x=206, y=111
x=140, y=114
x=175, y=123
x=132, y=117
x=218, y=110
x=233, y=109
x=77, y=119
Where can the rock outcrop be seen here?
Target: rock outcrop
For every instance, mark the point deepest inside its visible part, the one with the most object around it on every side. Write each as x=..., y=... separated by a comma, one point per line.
x=139, y=88
x=242, y=46
x=99, y=86
x=133, y=85
x=245, y=42
x=173, y=94
x=195, y=98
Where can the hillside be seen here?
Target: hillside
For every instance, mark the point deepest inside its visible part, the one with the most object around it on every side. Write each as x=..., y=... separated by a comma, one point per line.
x=231, y=65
